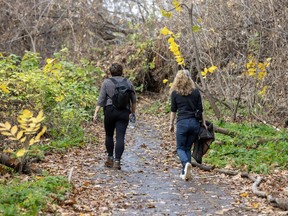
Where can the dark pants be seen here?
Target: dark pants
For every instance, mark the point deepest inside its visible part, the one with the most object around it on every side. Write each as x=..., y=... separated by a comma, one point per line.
x=115, y=119
x=186, y=134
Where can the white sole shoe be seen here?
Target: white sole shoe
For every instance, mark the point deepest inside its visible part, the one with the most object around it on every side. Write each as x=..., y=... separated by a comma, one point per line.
x=188, y=171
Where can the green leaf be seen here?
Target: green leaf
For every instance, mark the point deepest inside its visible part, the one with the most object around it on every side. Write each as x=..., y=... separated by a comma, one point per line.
x=196, y=28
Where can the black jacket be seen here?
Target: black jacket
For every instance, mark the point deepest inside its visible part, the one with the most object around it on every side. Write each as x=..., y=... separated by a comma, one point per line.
x=205, y=138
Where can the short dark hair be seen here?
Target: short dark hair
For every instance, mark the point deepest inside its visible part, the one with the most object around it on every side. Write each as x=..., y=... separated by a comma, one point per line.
x=116, y=69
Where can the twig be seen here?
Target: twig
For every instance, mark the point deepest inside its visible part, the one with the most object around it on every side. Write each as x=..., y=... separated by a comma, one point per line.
x=70, y=174
x=255, y=188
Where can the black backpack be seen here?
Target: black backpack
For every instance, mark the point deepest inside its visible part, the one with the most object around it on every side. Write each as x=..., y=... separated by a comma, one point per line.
x=122, y=95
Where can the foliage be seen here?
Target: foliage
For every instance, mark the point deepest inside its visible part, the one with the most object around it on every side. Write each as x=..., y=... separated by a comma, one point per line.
x=173, y=46
x=26, y=134
x=64, y=91
x=258, y=148
x=30, y=197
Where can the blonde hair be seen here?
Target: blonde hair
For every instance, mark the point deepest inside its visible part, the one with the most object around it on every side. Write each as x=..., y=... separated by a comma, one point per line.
x=183, y=84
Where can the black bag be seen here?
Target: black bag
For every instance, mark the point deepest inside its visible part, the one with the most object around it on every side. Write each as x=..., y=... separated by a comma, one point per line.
x=205, y=134
x=122, y=95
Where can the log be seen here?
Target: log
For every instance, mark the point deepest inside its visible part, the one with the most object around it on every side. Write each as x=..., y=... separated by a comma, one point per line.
x=224, y=131
x=15, y=164
x=202, y=166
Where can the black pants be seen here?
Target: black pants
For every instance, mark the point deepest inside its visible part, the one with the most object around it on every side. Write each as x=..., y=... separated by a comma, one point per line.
x=115, y=119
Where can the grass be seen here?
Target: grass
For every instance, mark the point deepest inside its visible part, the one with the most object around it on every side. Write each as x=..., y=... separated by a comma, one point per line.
x=258, y=148
x=30, y=197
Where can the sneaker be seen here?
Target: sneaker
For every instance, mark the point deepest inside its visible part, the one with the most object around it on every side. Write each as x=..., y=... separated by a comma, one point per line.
x=116, y=165
x=187, y=172
x=109, y=161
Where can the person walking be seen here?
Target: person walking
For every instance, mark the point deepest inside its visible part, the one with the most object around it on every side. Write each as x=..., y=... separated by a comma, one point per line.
x=186, y=101
x=114, y=117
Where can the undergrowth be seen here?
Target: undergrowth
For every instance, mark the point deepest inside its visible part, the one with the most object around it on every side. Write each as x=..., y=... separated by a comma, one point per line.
x=30, y=197
x=257, y=148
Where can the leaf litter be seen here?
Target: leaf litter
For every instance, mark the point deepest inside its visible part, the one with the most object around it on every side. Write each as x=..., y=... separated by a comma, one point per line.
x=149, y=182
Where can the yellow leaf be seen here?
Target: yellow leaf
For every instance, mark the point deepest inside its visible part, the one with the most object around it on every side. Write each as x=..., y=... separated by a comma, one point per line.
x=251, y=71
x=6, y=133
x=165, y=31
x=255, y=205
x=165, y=81
x=32, y=141
x=4, y=88
x=171, y=40
x=212, y=68
x=7, y=125
x=14, y=130
x=261, y=75
x=177, y=5
x=19, y=135
x=21, y=152
x=41, y=133
x=261, y=66
x=170, y=85
x=27, y=113
x=8, y=151
x=21, y=120
x=49, y=60
x=245, y=194
x=23, y=139
x=166, y=13
x=40, y=116
x=203, y=73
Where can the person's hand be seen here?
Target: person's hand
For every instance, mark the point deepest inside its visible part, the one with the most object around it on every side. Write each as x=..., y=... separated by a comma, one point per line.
x=171, y=128
x=204, y=125
x=95, y=117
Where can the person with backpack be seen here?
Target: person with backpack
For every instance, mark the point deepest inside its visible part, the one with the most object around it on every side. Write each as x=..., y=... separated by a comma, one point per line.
x=187, y=103
x=118, y=99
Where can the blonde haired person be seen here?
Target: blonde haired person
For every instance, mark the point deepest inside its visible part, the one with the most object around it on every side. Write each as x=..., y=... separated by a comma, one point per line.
x=183, y=94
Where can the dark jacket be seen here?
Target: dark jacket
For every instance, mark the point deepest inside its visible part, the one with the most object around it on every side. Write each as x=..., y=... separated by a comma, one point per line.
x=205, y=138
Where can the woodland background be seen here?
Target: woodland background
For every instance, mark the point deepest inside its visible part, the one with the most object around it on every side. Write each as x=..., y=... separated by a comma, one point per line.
x=55, y=54
x=229, y=32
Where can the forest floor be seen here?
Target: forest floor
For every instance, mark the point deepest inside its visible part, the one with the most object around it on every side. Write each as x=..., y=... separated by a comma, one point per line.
x=149, y=182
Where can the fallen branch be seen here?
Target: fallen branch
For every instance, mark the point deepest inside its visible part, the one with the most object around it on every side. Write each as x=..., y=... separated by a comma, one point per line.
x=264, y=122
x=15, y=164
x=276, y=202
x=202, y=166
x=255, y=188
x=224, y=131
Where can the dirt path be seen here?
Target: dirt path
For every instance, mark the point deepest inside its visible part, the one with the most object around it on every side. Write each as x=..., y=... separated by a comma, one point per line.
x=153, y=188
x=149, y=182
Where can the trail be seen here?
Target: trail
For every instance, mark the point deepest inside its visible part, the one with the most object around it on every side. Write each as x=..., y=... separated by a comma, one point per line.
x=149, y=182
x=154, y=188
